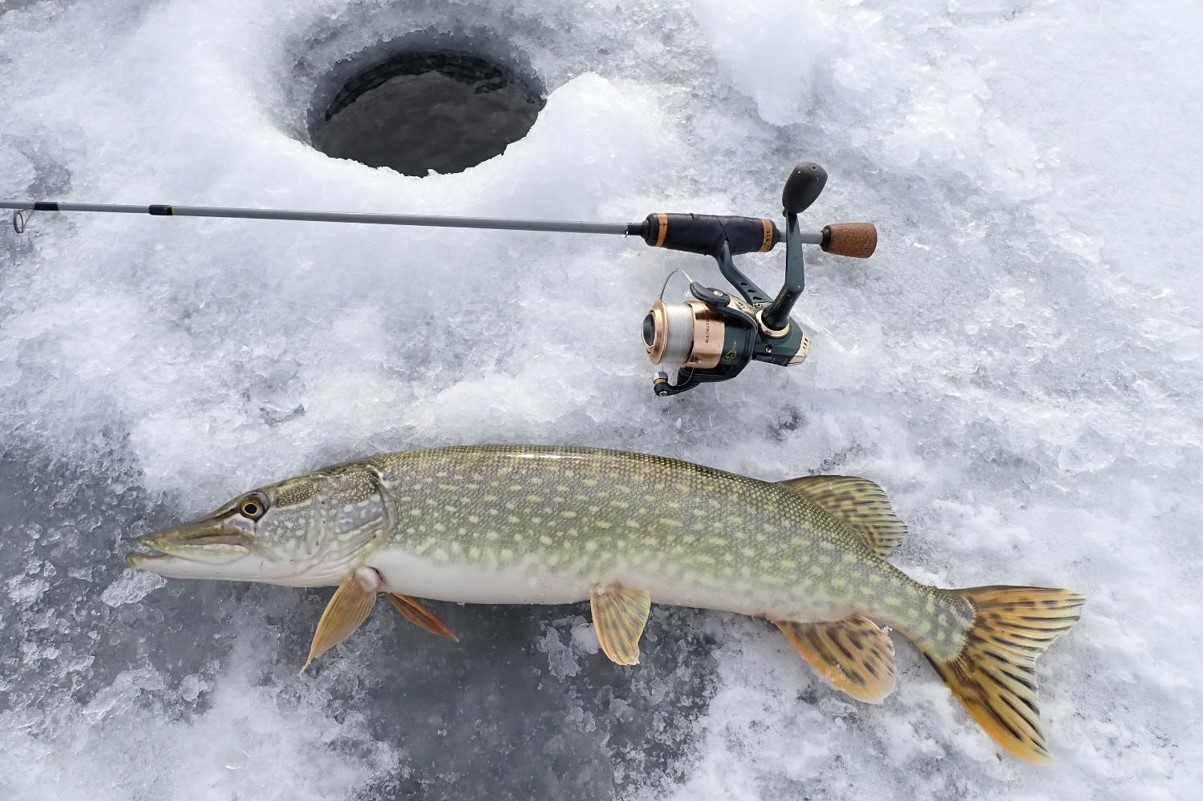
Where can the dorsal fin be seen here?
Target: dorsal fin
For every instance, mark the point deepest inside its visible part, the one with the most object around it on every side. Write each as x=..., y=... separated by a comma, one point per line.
x=858, y=503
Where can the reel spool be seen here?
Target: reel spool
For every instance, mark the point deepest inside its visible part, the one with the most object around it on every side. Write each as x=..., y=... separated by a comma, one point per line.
x=712, y=335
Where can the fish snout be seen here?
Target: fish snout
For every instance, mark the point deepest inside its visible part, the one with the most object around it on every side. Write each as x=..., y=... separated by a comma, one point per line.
x=196, y=544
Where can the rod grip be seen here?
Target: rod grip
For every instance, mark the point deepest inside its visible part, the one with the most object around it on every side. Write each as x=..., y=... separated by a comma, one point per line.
x=857, y=240
x=706, y=233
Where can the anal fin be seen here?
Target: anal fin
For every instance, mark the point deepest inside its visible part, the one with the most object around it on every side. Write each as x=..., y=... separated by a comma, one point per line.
x=350, y=606
x=416, y=612
x=852, y=655
x=619, y=617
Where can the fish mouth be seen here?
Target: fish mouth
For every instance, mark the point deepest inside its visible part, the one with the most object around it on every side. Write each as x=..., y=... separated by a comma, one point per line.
x=195, y=550
x=141, y=558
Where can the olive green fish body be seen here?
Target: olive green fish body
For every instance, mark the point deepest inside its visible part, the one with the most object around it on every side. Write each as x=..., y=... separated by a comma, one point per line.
x=543, y=525
x=552, y=525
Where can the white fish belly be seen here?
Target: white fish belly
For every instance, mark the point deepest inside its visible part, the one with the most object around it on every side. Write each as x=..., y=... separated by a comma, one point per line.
x=476, y=583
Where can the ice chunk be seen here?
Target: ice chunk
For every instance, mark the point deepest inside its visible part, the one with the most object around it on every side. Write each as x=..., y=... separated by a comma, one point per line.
x=131, y=587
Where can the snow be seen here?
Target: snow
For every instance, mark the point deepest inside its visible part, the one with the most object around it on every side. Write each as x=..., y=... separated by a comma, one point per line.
x=1018, y=366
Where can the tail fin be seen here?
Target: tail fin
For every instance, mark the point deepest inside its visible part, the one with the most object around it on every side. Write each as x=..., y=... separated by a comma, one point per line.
x=993, y=675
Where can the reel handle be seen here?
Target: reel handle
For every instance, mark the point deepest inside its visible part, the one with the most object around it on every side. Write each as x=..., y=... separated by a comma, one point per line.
x=803, y=187
x=857, y=240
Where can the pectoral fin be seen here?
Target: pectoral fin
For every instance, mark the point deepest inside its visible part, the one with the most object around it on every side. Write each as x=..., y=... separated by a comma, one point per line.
x=346, y=612
x=619, y=617
x=853, y=655
x=416, y=612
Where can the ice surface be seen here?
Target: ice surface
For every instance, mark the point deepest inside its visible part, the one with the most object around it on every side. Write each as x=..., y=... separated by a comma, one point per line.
x=1019, y=366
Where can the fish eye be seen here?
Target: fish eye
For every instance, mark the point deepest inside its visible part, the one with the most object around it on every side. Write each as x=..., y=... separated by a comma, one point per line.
x=253, y=506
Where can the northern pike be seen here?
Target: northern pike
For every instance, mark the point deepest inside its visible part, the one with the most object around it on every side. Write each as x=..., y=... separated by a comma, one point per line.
x=559, y=525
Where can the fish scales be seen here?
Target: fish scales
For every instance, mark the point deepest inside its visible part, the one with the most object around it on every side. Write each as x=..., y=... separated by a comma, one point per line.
x=564, y=519
x=550, y=525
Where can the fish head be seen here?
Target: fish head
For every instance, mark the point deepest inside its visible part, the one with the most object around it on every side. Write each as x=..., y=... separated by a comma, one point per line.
x=308, y=531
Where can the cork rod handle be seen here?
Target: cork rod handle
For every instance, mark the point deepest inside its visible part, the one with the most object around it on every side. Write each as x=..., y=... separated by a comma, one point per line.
x=857, y=240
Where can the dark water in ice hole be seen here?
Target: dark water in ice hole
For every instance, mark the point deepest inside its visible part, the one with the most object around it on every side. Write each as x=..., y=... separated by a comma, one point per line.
x=427, y=111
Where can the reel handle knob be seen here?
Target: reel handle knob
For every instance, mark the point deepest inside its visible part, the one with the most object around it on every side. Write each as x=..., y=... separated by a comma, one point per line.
x=803, y=187
x=857, y=240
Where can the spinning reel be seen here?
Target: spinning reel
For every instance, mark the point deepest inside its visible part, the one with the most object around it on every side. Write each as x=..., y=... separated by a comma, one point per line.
x=710, y=336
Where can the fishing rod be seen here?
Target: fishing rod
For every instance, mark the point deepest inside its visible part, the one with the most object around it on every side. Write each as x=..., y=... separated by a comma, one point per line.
x=711, y=335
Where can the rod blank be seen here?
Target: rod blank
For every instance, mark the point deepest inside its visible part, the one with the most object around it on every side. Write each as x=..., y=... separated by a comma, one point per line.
x=164, y=210
x=22, y=210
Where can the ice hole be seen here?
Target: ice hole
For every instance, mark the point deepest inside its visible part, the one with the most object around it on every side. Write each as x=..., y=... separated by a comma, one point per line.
x=419, y=111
